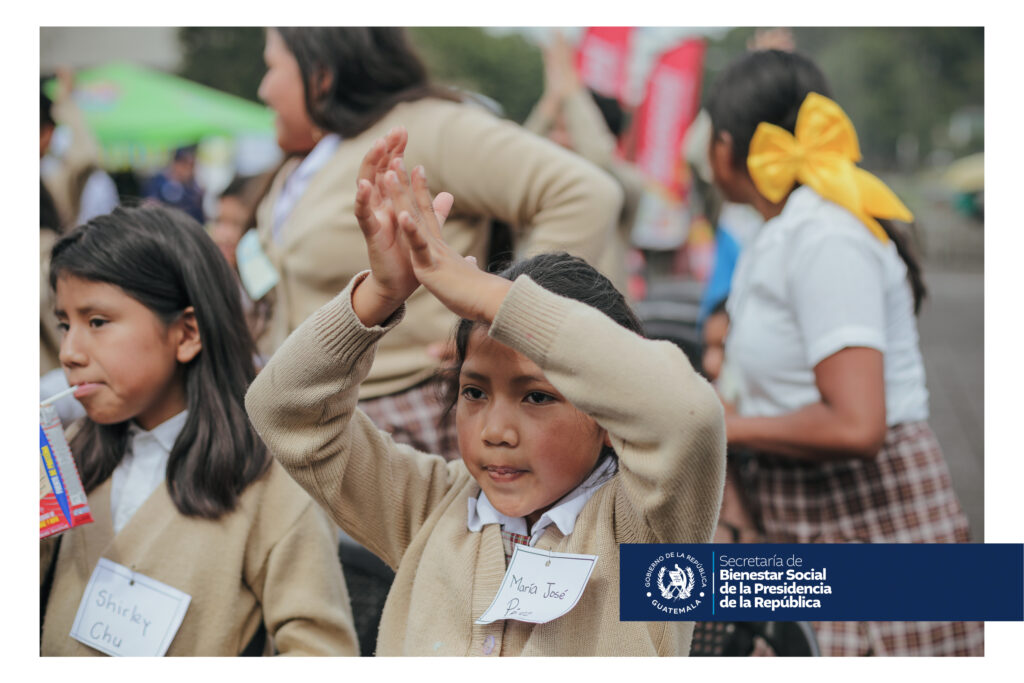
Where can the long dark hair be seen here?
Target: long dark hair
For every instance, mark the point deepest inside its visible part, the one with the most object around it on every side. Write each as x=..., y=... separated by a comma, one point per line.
x=164, y=259
x=559, y=273
x=770, y=85
x=371, y=69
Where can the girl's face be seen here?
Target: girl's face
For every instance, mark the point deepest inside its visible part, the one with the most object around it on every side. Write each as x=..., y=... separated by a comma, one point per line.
x=124, y=357
x=522, y=441
x=283, y=91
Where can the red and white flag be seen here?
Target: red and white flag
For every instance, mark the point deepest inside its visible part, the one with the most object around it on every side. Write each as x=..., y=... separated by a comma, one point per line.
x=602, y=59
x=670, y=104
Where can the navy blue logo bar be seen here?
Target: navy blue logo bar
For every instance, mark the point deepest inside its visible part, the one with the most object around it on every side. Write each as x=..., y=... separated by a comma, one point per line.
x=822, y=582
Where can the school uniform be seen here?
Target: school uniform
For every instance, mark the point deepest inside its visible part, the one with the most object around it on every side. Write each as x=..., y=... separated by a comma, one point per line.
x=273, y=559
x=812, y=282
x=306, y=224
x=556, y=200
x=427, y=519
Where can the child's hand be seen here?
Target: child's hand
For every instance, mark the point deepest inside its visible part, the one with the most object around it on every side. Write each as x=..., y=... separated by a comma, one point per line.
x=391, y=280
x=456, y=281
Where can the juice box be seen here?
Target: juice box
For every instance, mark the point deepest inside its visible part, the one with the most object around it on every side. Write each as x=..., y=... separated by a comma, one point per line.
x=62, y=501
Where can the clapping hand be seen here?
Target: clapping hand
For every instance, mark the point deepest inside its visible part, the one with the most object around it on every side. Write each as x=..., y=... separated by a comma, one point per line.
x=560, y=77
x=455, y=280
x=391, y=278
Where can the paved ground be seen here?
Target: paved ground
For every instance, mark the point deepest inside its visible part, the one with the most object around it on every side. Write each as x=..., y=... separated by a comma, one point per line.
x=952, y=329
x=951, y=326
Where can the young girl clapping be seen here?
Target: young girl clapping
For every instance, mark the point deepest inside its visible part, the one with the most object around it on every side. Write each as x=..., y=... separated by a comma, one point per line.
x=576, y=435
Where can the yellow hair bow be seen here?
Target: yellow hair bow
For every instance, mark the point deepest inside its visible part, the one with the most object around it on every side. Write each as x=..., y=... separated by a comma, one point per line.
x=822, y=155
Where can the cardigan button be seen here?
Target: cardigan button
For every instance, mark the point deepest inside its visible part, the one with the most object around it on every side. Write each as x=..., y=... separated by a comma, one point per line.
x=488, y=645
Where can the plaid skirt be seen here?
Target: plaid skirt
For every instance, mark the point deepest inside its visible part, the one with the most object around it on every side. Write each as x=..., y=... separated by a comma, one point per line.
x=905, y=495
x=416, y=417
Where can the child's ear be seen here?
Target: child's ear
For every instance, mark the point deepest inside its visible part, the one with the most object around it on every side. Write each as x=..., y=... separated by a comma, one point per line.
x=720, y=156
x=189, y=343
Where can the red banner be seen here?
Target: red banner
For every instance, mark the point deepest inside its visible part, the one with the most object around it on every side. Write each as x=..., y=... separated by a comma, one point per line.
x=670, y=104
x=602, y=59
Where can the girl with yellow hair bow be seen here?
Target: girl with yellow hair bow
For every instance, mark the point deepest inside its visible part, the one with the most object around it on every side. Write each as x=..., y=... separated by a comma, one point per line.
x=829, y=433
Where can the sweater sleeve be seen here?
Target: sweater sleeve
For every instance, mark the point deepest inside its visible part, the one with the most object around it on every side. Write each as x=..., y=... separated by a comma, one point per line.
x=557, y=200
x=665, y=422
x=303, y=404
x=591, y=138
x=303, y=595
x=537, y=121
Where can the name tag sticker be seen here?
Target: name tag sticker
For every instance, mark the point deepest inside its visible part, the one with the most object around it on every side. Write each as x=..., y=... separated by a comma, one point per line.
x=539, y=586
x=254, y=267
x=127, y=614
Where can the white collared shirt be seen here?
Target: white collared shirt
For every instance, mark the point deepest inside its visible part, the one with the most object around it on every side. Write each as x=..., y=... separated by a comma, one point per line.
x=563, y=515
x=296, y=183
x=815, y=281
x=142, y=468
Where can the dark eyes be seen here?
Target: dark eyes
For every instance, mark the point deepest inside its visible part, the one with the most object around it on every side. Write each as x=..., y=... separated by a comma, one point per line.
x=533, y=398
x=471, y=393
x=93, y=322
x=538, y=398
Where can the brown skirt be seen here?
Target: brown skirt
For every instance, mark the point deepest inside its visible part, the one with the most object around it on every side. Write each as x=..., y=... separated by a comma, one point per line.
x=905, y=495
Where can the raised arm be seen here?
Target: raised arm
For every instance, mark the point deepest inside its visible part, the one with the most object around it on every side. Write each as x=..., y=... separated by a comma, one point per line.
x=665, y=420
x=303, y=403
x=83, y=153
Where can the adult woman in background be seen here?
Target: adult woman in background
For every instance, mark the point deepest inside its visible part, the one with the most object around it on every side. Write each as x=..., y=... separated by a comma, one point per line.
x=335, y=91
x=832, y=396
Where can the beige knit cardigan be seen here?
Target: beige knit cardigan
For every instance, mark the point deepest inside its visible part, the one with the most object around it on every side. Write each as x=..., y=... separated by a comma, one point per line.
x=553, y=199
x=411, y=508
x=273, y=558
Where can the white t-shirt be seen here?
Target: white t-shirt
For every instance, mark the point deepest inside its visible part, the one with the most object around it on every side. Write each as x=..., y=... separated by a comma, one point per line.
x=812, y=282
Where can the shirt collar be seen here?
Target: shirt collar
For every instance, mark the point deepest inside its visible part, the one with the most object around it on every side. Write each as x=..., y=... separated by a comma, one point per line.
x=299, y=179
x=563, y=515
x=317, y=157
x=165, y=433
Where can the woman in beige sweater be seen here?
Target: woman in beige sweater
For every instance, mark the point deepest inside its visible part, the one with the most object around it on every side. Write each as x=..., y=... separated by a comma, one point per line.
x=576, y=435
x=335, y=91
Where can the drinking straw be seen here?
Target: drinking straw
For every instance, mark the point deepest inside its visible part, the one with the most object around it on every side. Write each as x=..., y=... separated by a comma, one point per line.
x=59, y=395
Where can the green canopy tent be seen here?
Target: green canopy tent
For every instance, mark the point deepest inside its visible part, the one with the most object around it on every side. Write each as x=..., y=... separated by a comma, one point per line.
x=139, y=115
